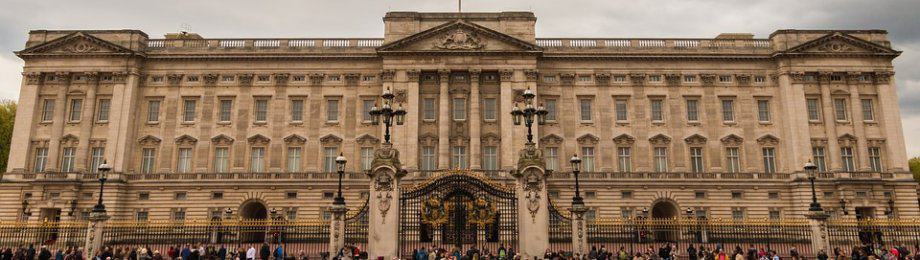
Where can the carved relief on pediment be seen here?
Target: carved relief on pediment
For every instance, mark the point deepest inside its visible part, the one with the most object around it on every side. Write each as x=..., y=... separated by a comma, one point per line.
x=660, y=140
x=459, y=39
x=295, y=140
x=624, y=140
x=732, y=140
x=695, y=140
x=551, y=140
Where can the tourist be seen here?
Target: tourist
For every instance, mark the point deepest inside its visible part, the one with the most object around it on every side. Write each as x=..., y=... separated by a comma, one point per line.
x=822, y=255
x=691, y=252
x=279, y=253
x=44, y=254
x=59, y=254
x=251, y=253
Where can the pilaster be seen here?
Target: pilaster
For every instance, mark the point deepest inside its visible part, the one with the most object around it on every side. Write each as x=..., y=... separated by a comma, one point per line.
x=383, y=205
x=475, y=121
x=579, y=230
x=87, y=120
x=94, y=232
x=533, y=211
x=337, y=229
x=889, y=114
x=28, y=107
x=817, y=221
x=58, y=121
x=444, y=120
x=506, y=101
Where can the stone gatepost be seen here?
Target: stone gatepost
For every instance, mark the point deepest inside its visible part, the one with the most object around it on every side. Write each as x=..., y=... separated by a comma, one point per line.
x=533, y=211
x=817, y=220
x=337, y=228
x=94, y=233
x=383, y=204
x=579, y=230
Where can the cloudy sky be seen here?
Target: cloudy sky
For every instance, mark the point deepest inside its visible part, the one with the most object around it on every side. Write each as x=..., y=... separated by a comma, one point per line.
x=555, y=18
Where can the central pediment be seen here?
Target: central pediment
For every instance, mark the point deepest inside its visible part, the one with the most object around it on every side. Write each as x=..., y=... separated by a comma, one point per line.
x=459, y=37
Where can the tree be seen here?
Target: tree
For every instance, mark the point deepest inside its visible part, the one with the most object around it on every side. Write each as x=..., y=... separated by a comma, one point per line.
x=914, y=164
x=7, y=118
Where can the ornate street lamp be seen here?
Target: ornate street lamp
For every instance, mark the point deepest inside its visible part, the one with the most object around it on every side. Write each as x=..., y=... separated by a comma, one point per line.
x=25, y=209
x=529, y=114
x=812, y=169
x=890, y=210
x=843, y=206
x=103, y=169
x=387, y=114
x=340, y=164
x=689, y=213
x=577, y=201
x=228, y=213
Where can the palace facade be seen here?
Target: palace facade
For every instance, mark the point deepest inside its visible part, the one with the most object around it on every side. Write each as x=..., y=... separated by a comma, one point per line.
x=713, y=127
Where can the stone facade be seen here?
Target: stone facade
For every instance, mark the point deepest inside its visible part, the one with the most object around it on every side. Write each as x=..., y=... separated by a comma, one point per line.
x=193, y=126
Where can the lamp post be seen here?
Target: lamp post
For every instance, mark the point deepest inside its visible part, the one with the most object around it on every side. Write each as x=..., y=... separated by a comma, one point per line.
x=103, y=169
x=577, y=201
x=812, y=169
x=843, y=206
x=387, y=114
x=340, y=164
x=529, y=114
x=889, y=212
x=25, y=210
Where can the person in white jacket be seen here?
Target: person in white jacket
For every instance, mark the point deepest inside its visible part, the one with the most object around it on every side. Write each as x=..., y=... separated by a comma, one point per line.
x=251, y=253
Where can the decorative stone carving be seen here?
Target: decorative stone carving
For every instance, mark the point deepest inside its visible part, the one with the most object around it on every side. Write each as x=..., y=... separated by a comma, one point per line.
x=174, y=79
x=400, y=96
x=637, y=79
x=367, y=140
x=412, y=75
x=732, y=140
x=32, y=78
x=295, y=140
x=587, y=139
x=708, y=79
x=81, y=46
x=883, y=77
x=119, y=76
x=444, y=75
x=768, y=140
x=149, y=140
x=245, y=79
x=331, y=140
x=258, y=139
x=221, y=140
x=853, y=77
x=70, y=140
x=459, y=39
x=282, y=78
x=551, y=140
x=824, y=76
x=695, y=140
x=91, y=77
x=624, y=140
x=491, y=139
x=875, y=142
x=317, y=78
x=846, y=140
x=352, y=78
x=797, y=77
x=660, y=140
x=672, y=79
x=61, y=77
x=387, y=75
x=836, y=46
x=506, y=74
x=531, y=75
x=602, y=79
x=743, y=79
x=186, y=140
x=567, y=78
x=819, y=142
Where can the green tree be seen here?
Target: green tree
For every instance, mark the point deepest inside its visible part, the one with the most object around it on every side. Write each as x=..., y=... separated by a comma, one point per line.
x=7, y=118
x=914, y=164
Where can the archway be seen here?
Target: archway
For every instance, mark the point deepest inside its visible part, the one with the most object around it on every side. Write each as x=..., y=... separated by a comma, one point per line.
x=253, y=211
x=662, y=211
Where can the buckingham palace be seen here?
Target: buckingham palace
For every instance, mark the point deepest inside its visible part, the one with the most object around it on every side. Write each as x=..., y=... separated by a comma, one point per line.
x=193, y=127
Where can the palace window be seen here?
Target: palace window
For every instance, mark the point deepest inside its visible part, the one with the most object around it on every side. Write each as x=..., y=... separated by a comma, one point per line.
x=654, y=78
x=366, y=106
x=817, y=154
x=429, y=112
x=661, y=159
x=626, y=194
x=552, y=158
x=585, y=109
x=549, y=78
x=48, y=110
x=263, y=78
x=657, y=112
x=261, y=110
x=728, y=110
x=619, y=78
x=867, y=110
x=143, y=195
x=550, y=107
x=489, y=158
x=191, y=78
x=725, y=78
x=428, y=161
x=290, y=195
x=332, y=110
x=459, y=107
x=41, y=159
x=329, y=155
x=769, y=160
x=185, y=160
x=587, y=155
x=773, y=195
x=179, y=215
x=836, y=78
x=699, y=194
x=693, y=110
x=293, y=158
x=624, y=156
x=840, y=109
x=142, y=215
x=257, y=159
x=689, y=79
x=626, y=213
x=737, y=213
x=68, y=158
x=291, y=213
x=97, y=156
x=760, y=79
x=148, y=160
x=226, y=108
x=737, y=195
x=622, y=110
x=847, y=159
x=368, y=78
x=775, y=214
x=458, y=157
x=76, y=108
x=696, y=159
x=190, y=107
x=297, y=110
x=153, y=111
x=228, y=78
x=367, y=157
x=102, y=115
x=181, y=195
x=584, y=78
x=489, y=109
x=733, y=159
x=763, y=110
x=875, y=159
x=221, y=159
x=814, y=109
x=217, y=195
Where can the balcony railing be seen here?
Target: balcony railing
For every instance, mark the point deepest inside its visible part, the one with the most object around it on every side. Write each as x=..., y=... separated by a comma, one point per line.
x=262, y=43
x=551, y=43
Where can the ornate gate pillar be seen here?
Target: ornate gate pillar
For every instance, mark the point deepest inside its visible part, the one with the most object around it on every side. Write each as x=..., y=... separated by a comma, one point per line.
x=817, y=220
x=383, y=208
x=94, y=232
x=579, y=230
x=533, y=210
x=337, y=229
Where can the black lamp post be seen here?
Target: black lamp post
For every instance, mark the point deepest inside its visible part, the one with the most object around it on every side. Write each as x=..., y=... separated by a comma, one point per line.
x=103, y=169
x=387, y=114
x=812, y=169
x=25, y=209
x=890, y=210
x=843, y=206
x=689, y=213
x=340, y=164
x=577, y=201
x=529, y=114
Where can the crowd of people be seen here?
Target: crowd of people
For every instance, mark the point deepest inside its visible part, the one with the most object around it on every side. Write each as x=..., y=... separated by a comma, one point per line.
x=473, y=253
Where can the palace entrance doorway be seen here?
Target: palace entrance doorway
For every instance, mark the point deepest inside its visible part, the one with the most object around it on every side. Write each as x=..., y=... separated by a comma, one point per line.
x=458, y=209
x=663, y=211
x=253, y=211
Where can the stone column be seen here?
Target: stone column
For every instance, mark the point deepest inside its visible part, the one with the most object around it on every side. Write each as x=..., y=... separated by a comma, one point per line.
x=533, y=211
x=475, y=142
x=817, y=220
x=337, y=229
x=506, y=102
x=94, y=233
x=413, y=106
x=579, y=230
x=58, y=122
x=888, y=114
x=444, y=121
x=87, y=120
x=383, y=204
x=30, y=106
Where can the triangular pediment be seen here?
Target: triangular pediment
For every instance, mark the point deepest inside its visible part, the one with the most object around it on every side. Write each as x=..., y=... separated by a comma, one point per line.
x=459, y=37
x=839, y=43
x=77, y=43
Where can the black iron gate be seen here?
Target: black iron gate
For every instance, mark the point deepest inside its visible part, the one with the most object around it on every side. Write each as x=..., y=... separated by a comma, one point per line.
x=459, y=210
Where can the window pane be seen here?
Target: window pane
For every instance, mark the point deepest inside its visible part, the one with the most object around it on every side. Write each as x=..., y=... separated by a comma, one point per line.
x=332, y=110
x=189, y=114
x=490, y=158
x=813, y=110
x=104, y=107
x=41, y=159
x=429, y=109
x=293, y=156
x=330, y=153
x=98, y=155
x=769, y=160
x=875, y=159
x=622, y=110
x=657, y=115
x=458, y=157
x=693, y=113
x=763, y=110
x=261, y=110
x=728, y=110
x=148, y=159
x=76, y=108
x=67, y=160
x=257, y=156
x=48, y=110
x=840, y=109
x=488, y=109
x=867, y=110
x=367, y=105
x=585, y=105
x=153, y=111
x=297, y=110
x=185, y=160
x=587, y=163
x=696, y=159
x=552, y=158
x=818, y=155
x=226, y=107
x=367, y=157
x=733, y=159
x=846, y=155
x=624, y=158
x=661, y=159
x=221, y=159
x=550, y=109
x=459, y=107
x=428, y=159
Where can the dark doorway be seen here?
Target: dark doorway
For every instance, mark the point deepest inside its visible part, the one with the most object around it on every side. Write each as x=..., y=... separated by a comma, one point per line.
x=253, y=211
x=458, y=231
x=661, y=211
